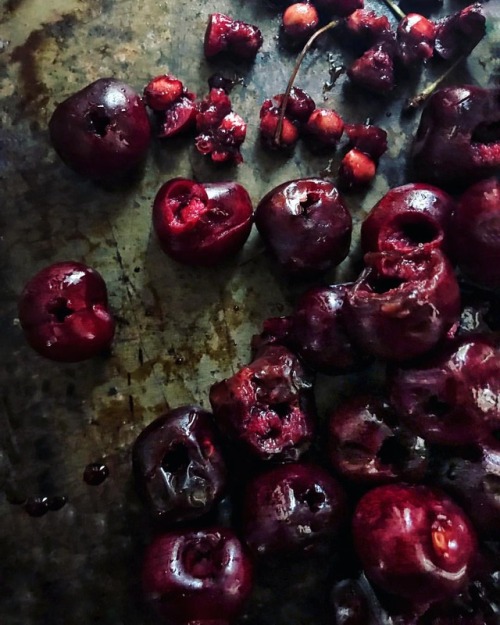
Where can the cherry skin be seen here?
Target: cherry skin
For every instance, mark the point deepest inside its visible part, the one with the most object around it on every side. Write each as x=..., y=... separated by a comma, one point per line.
x=306, y=225
x=63, y=311
x=178, y=465
x=413, y=541
x=299, y=21
x=201, y=224
x=461, y=32
x=374, y=70
x=457, y=141
x=201, y=577
x=415, y=38
x=475, y=233
x=267, y=406
x=367, y=138
x=294, y=507
x=101, y=131
x=449, y=397
x=413, y=216
x=234, y=37
x=368, y=27
x=172, y=103
x=403, y=305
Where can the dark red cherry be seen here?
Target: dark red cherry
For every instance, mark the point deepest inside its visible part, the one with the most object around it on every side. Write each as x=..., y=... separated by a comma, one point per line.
x=461, y=32
x=101, y=131
x=299, y=21
x=368, y=445
x=374, y=70
x=342, y=8
x=162, y=91
x=414, y=542
x=275, y=331
x=415, y=39
x=295, y=507
x=366, y=138
x=268, y=126
x=201, y=224
x=299, y=106
x=475, y=233
x=368, y=27
x=318, y=331
x=413, y=216
x=403, y=305
x=267, y=406
x=63, y=311
x=457, y=141
x=201, y=577
x=323, y=129
x=306, y=225
x=172, y=103
x=178, y=465
x=234, y=37
x=450, y=397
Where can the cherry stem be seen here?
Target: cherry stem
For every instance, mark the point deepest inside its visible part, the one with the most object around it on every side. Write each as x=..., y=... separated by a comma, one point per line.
x=418, y=100
x=395, y=9
x=295, y=71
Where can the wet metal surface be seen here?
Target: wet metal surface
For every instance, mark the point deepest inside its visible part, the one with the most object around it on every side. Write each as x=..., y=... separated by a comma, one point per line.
x=179, y=329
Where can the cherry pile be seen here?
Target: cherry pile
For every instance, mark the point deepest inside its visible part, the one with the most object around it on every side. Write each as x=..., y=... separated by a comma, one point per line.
x=397, y=490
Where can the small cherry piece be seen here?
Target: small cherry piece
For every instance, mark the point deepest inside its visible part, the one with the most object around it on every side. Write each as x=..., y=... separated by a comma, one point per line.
x=368, y=27
x=275, y=331
x=403, y=305
x=475, y=233
x=172, y=103
x=197, y=576
x=356, y=170
x=63, y=311
x=374, y=70
x=299, y=21
x=367, y=138
x=413, y=216
x=415, y=39
x=267, y=406
x=306, y=225
x=323, y=129
x=102, y=131
x=178, y=465
x=201, y=224
x=460, y=33
x=292, y=508
x=234, y=37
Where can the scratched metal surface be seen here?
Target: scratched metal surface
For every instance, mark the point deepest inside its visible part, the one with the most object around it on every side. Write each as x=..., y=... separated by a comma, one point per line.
x=179, y=329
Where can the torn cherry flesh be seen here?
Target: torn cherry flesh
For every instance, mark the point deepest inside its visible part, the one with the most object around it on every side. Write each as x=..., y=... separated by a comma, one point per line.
x=267, y=406
x=292, y=508
x=306, y=225
x=450, y=397
x=172, y=103
x=403, y=305
x=374, y=70
x=414, y=541
x=368, y=445
x=413, y=216
x=178, y=465
x=415, y=39
x=458, y=139
x=201, y=577
x=201, y=224
x=234, y=37
x=102, y=131
x=63, y=311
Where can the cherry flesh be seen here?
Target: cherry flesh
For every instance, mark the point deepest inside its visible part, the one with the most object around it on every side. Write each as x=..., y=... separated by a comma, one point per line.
x=356, y=170
x=63, y=311
x=413, y=216
x=102, y=131
x=374, y=70
x=413, y=541
x=201, y=224
x=367, y=138
x=294, y=507
x=415, y=39
x=403, y=305
x=368, y=27
x=267, y=406
x=457, y=141
x=323, y=129
x=233, y=37
x=306, y=225
x=448, y=397
x=172, y=103
x=299, y=21
x=201, y=577
x=178, y=465
x=298, y=110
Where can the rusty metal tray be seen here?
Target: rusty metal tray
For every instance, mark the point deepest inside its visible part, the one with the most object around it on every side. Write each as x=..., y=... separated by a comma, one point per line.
x=179, y=329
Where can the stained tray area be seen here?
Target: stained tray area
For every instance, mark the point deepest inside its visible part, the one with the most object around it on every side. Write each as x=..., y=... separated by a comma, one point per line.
x=179, y=329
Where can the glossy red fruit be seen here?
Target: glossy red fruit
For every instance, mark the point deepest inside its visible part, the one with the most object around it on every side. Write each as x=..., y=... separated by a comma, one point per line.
x=201, y=224
x=318, y=331
x=457, y=140
x=201, y=577
x=368, y=27
x=267, y=406
x=292, y=508
x=323, y=129
x=413, y=541
x=306, y=225
x=356, y=170
x=299, y=21
x=178, y=465
x=403, y=305
x=234, y=37
x=461, y=32
x=450, y=397
x=475, y=233
x=413, y=216
x=415, y=39
x=172, y=103
x=374, y=70
x=368, y=445
x=366, y=138
x=63, y=311
x=101, y=131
